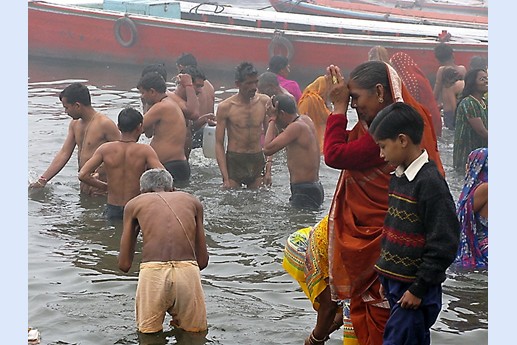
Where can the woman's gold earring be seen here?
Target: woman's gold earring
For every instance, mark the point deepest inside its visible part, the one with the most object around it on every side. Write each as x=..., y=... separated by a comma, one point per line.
x=381, y=100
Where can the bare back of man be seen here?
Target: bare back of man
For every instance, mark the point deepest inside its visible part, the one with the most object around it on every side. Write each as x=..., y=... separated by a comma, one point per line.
x=124, y=163
x=303, y=157
x=171, y=225
x=165, y=123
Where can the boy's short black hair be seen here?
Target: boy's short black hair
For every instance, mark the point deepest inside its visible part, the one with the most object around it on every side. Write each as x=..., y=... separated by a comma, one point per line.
x=128, y=119
x=397, y=118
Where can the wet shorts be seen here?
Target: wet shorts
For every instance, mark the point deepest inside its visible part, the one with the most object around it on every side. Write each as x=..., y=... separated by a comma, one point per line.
x=245, y=168
x=113, y=212
x=307, y=195
x=180, y=171
x=173, y=287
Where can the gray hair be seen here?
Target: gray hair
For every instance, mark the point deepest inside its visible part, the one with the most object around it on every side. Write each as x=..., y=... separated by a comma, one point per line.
x=154, y=180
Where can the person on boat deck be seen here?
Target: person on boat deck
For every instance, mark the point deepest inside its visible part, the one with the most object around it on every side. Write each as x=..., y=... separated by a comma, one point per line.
x=418, y=85
x=444, y=53
x=124, y=160
x=174, y=251
x=87, y=130
x=416, y=249
x=453, y=85
x=360, y=200
x=471, y=130
x=378, y=53
x=206, y=97
x=280, y=66
x=295, y=133
x=313, y=103
x=242, y=117
x=164, y=122
x=472, y=211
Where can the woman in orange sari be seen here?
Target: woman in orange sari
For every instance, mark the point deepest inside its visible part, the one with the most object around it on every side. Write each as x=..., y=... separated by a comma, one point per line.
x=360, y=201
x=314, y=104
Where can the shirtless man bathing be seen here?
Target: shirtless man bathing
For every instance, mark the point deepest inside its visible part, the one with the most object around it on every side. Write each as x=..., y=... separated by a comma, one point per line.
x=87, y=130
x=124, y=160
x=243, y=117
x=174, y=252
x=165, y=123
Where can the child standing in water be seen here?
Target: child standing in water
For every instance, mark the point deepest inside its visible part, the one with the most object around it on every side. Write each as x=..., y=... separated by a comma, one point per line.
x=421, y=230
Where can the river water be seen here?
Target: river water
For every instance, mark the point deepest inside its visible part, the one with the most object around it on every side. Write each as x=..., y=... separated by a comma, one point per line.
x=77, y=295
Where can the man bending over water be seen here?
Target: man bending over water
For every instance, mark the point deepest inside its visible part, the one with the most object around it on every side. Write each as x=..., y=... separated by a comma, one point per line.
x=173, y=253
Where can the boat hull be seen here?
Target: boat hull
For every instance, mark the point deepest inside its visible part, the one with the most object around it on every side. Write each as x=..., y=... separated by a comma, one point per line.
x=73, y=32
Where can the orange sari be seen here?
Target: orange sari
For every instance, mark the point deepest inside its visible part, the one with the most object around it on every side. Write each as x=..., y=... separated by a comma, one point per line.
x=356, y=219
x=312, y=103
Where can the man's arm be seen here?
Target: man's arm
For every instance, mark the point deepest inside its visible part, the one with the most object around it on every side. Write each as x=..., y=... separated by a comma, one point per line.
x=111, y=131
x=60, y=160
x=86, y=172
x=274, y=143
x=150, y=120
x=220, y=130
x=152, y=161
x=128, y=238
x=437, y=89
x=201, y=250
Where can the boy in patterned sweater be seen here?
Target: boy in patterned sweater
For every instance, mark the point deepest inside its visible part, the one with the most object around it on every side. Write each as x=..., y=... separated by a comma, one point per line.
x=421, y=230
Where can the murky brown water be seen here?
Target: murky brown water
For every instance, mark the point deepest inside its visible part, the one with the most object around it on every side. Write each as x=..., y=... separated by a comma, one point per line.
x=77, y=295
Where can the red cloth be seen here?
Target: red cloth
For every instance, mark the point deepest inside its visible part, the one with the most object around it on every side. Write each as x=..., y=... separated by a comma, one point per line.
x=358, y=210
x=418, y=86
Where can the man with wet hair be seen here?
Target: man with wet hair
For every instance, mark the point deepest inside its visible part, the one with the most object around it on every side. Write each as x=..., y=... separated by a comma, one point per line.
x=165, y=124
x=124, y=160
x=174, y=252
x=243, y=118
x=206, y=98
x=88, y=130
x=297, y=134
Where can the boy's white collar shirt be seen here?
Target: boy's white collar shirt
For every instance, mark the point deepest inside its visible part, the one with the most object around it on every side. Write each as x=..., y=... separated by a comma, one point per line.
x=413, y=168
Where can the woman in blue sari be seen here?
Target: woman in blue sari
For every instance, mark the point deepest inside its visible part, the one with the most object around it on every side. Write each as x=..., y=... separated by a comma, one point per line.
x=472, y=211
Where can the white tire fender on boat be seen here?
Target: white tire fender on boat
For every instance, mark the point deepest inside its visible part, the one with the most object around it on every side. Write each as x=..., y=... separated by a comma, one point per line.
x=125, y=21
x=280, y=40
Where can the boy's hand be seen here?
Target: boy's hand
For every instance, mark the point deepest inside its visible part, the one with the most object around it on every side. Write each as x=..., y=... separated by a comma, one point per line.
x=409, y=301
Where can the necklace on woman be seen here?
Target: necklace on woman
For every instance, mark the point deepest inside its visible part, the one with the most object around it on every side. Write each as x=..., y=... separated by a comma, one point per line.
x=481, y=102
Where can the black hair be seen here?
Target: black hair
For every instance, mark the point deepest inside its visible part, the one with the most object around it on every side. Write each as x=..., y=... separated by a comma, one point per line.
x=370, y=73
x=76, y=92
x=152, y=80
x=244, y=70
x=194, y=72
x=443, y=52
x=186, y=59
x=158, y=68
x=277, y=62
x=285, y=103
x=471, y=82
x=129, y=119
x=397, y=118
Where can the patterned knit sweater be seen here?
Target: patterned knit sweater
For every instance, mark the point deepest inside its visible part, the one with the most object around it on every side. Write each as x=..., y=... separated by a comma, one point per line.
x=421, y=230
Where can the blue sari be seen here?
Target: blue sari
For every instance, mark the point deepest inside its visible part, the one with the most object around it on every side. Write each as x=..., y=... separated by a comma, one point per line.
x=473, y=248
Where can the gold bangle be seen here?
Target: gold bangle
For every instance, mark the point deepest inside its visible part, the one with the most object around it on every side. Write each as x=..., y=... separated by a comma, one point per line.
x=313, y=339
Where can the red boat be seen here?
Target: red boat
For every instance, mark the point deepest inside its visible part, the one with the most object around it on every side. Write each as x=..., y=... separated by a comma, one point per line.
x=107, y=36
x=345, y=9
x=430, y=5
